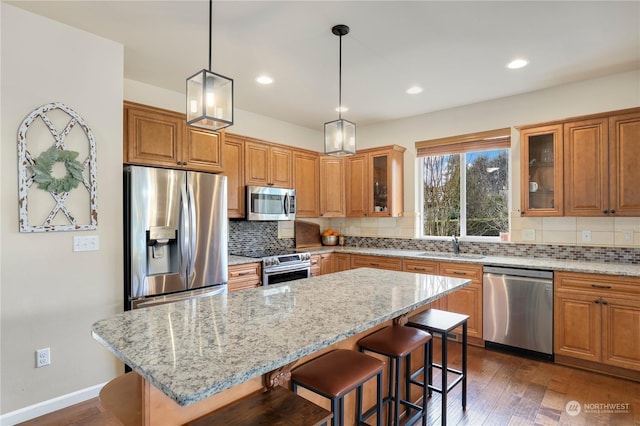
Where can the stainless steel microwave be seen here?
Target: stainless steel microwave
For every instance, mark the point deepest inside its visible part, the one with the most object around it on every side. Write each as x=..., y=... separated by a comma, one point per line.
x=267, y=203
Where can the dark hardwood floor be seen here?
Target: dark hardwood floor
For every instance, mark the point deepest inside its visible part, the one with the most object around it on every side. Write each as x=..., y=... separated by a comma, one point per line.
x=503, y=389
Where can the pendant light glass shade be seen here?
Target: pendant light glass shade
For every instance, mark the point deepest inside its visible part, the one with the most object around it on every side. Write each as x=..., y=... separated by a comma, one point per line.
x=339, y=138
x=209, y=95
x=340, y=135
x=209, y=100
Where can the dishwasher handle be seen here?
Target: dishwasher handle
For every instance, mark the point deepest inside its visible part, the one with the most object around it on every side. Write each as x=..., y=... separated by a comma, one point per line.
x=517, y=272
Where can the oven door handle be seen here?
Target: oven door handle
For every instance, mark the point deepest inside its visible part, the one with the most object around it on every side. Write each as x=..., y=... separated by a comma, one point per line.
x=288, y=268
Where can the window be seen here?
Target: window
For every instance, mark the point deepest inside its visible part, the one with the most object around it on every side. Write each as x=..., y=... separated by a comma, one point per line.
x=465, y=185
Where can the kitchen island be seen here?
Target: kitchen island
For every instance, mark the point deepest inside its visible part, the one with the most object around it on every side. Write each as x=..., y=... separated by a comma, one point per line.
x=198, y=348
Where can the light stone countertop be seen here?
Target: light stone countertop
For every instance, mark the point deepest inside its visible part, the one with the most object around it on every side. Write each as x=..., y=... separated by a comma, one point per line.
x=621, y=269
x=196, y=348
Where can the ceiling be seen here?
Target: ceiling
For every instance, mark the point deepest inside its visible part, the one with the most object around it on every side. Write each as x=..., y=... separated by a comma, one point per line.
x=455, y=50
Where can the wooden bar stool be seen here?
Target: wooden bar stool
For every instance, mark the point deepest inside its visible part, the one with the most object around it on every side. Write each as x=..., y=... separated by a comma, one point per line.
x=442, y=322
x=335, y=374
x=397, y=342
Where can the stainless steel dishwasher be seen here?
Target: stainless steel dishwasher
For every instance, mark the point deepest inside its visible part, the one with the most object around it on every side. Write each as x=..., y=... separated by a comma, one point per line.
x=518, y=310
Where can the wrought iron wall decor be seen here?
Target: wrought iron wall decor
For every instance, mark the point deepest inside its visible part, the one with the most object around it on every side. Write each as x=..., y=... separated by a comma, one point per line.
x=60, y=121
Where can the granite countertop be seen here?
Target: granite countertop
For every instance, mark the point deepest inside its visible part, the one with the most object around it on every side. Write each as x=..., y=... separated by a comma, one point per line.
x=196, y=348
x=621, y=269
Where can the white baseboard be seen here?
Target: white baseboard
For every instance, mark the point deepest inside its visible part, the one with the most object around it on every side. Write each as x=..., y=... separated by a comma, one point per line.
x=49, y=406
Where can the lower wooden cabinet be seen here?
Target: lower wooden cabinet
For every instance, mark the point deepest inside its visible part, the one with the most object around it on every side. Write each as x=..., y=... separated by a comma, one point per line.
x=315, y=265
x=326, y=263
x=243, y=276
x=322, y=264
x=341, y=262
x=467, y=300
x=380, y=262
x=597, y=319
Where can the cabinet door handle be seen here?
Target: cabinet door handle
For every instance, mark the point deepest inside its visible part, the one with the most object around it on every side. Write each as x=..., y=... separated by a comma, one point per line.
x=459, y=273
x=419, y=269
x=374, y=264
x=613, y=211
x=604, y=302
x=315, y=262
x=605, y=211
x=600, y=286
x=597, y=301
x=243, y=273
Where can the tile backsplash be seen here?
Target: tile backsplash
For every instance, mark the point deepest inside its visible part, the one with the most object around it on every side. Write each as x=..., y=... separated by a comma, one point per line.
x=244, y=235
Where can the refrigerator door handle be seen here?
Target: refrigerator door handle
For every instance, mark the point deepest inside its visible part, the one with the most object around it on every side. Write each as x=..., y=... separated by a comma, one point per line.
x=193, y=232
x=184, y=232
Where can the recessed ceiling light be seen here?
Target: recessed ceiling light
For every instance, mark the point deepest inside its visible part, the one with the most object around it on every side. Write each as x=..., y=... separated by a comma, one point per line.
x=264, y=79
x=342, y=109
x=414, y=90
x=517, y=63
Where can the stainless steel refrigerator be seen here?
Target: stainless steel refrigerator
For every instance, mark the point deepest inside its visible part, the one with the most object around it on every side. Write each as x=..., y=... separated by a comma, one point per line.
x=176, y=234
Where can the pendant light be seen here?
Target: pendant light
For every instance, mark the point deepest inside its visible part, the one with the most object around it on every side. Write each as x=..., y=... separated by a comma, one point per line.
x=340, y=135
x=209, y=95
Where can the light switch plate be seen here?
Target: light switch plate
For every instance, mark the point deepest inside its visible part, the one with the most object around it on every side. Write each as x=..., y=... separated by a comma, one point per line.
x=86, y=243
x=628, y=236
x=529, y=234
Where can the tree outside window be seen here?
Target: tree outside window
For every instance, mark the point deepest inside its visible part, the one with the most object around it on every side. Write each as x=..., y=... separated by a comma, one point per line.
x=466, y=194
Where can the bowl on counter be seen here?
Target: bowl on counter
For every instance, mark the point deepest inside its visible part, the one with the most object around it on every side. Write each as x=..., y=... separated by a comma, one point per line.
x=329, y=240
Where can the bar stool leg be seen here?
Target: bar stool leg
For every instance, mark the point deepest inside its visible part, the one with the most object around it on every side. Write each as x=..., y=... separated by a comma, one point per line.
x=379, y=405
x=464, y=365
x=444, y=378
x=426, y=386
x=430, y=368
x=407, y=383
x=396, y=403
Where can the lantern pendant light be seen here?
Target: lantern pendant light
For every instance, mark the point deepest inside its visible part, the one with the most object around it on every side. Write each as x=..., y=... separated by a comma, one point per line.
x=209, y=95
x=340, y=135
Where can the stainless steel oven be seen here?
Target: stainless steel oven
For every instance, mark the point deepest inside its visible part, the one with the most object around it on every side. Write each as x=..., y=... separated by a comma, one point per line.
x=287, y=267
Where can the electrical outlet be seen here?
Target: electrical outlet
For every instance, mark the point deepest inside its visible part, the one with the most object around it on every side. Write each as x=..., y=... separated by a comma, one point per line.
x=86, y=243
x=43, y=357
x=586, y=236
x=529, y=234
x=628, y=236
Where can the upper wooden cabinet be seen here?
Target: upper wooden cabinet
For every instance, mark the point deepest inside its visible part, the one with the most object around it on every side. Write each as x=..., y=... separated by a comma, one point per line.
x=541, y=171
x=306, y=182
x=332, y=186
x=593, y=169
x=375, y=182
x=268, y=165
x=624, y=157
x=586, y=162
x=157, y=137
x=234, y=170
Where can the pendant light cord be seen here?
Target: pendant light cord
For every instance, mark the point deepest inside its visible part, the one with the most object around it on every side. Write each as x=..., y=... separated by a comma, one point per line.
x=340, y=82
x=210, y=29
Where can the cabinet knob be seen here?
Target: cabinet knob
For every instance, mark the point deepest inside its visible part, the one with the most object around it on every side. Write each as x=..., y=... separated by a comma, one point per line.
x=604, y=302
x=605, y=211
x=597, y=301
x=612, y=211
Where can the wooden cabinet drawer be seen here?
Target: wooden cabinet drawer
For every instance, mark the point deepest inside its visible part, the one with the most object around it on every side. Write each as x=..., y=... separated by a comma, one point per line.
x=244, y=276
x=315, y=265
x=380, y=262
x=461, y=270
x=420, y=266
x=600, y=284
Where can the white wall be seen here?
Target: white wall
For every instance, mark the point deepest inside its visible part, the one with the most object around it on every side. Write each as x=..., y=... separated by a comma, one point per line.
x=49, y=295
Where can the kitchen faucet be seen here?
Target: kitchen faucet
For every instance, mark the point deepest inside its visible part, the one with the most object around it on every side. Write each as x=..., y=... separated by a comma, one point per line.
x=456, y=244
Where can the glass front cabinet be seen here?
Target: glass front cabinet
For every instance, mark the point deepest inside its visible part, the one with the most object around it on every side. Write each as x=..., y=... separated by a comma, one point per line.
x=541, y=171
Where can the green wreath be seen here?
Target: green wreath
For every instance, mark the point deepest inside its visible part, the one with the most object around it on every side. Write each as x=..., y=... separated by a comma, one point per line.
x=44, y=165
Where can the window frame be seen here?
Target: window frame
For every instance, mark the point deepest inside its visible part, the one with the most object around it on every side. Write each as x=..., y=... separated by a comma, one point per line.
x=461, y=145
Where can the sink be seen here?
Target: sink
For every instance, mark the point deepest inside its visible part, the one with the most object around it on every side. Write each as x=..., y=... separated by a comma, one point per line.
x=451, y=255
